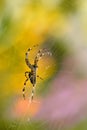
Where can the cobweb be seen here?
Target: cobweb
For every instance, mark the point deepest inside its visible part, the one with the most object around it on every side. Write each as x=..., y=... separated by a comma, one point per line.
x=27, y=121
x=32, y=122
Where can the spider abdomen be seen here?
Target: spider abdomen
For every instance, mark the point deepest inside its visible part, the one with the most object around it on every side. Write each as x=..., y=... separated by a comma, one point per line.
x=32, y=78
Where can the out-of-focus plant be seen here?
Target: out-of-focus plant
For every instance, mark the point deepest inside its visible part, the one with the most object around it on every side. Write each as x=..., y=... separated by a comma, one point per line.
x=55, y=24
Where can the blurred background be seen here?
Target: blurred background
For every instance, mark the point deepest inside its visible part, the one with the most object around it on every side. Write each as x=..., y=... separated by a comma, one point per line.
x=60, y=100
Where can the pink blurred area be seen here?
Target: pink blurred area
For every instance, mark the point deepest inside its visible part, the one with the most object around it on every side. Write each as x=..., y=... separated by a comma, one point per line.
x=66, y=102
x=21, y=108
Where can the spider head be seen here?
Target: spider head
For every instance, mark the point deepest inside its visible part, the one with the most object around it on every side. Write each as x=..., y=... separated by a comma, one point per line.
x=35, y=66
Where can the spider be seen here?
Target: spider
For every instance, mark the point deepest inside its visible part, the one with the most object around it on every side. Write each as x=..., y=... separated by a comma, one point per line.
x=32, y=75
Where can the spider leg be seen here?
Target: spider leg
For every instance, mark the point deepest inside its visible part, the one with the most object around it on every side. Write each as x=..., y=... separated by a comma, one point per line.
x=27, y=72
x=27, y=55
x=39, y=77
x=26, y=58
x=41, y=53
x=23, y=90
x=32, y=93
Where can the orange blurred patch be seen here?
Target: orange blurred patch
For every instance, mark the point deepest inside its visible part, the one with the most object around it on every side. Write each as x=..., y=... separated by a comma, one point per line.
x=23, y=108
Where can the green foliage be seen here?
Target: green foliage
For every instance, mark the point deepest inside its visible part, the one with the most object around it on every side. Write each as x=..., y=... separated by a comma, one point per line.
x=5, y=24
x=58, y=48
x=69, y=6
x=20, y=125
x=80, y=126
